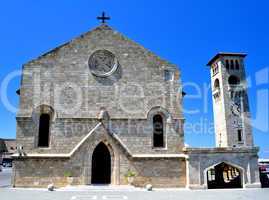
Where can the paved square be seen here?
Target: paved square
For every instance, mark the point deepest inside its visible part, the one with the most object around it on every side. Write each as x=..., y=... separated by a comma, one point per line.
x=122, y=193
x=37, y=194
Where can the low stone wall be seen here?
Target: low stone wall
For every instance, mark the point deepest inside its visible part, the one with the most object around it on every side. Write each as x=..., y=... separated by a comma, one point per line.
x=168, y=172
x=42, y=182
x=42, y=172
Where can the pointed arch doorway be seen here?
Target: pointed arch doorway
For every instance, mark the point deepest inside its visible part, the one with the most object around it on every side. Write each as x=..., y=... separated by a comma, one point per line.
x=101, y=165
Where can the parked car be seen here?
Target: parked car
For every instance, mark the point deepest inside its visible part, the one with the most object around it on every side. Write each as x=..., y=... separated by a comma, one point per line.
x=264, y=172
x=7, y=164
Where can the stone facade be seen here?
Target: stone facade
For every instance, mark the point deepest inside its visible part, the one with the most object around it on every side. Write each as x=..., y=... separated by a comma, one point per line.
x=61, y=84
x=51, y=169
x=117, y=109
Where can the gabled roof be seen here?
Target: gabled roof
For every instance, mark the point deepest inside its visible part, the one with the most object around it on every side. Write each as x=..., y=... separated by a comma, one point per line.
x=102, y=27
x=225, y=54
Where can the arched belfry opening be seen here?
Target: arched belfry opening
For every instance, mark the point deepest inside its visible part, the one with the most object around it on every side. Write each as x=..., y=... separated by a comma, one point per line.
x=224, y=176
x=101, y=165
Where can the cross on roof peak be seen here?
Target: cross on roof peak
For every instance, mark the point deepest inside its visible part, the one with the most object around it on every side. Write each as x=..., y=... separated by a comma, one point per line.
x=103, y=18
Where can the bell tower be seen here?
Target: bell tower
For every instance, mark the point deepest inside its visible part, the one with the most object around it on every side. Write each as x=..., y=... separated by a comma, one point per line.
x=230, y=100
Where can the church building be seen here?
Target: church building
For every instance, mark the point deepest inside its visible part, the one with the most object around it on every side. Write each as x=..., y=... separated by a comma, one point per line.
x=101, y=109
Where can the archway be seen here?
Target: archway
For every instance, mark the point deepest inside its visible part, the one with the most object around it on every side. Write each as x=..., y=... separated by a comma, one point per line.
x=223, y=176
x=101, y=165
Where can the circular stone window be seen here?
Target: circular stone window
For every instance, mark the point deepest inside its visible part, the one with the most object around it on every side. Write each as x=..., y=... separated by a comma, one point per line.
x=103, y=63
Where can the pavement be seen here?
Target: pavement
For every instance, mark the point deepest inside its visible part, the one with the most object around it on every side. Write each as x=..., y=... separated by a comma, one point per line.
x=5, y=177
x=123, y=193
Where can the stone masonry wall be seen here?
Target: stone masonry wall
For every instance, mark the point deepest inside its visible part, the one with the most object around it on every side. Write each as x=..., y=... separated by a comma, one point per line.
x=199, y=160
x=33, y=172
x=61, y=79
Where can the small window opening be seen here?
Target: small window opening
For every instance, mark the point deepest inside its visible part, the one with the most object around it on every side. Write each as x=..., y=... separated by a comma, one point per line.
x=232, y=64
x=237, y=65
x=44, y=128
x=158, y=131
x=227, y=64
x=239, y=135
x=168, y=75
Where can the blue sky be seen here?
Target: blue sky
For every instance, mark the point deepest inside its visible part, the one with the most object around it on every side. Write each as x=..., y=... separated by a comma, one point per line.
x=187, y=33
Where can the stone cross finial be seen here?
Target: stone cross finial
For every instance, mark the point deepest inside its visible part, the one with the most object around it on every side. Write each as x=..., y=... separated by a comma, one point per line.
x=103, y=18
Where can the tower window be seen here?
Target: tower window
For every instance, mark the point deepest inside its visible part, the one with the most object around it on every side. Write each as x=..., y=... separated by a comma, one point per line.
x=44, y=128
x=215, y=69
x=232, y=64
x=227, y=64
x=232, y=94
x=216, y=84
x=237, y=65
x=239, y=135
x=216, y=92
x=158, y=130
x=233, y=80
x=168, y=75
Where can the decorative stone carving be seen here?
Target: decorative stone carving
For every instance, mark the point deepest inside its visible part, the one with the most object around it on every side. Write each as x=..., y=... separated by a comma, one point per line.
x=103, y=63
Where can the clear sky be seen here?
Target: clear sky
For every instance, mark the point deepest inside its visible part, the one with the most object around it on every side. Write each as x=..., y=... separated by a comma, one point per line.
x=185, y=32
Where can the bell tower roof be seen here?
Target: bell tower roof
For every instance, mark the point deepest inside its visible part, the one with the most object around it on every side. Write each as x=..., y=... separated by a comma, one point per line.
x=218, y=55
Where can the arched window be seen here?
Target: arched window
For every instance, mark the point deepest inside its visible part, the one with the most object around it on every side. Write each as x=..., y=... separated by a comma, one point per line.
x=227, y=64
x=158, y=131
x=233, y=80
x=44, y=129
x=237, y=65
x=239, y=135
x=232, y=64
x=216, y=84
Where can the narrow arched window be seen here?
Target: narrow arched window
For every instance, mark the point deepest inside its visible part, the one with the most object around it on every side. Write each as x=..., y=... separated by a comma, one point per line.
x=239, y=135
x=216, y=84
x=237, y=65
x=232, y=64
x=227, y=65
x=158, y=130
x=44, y=129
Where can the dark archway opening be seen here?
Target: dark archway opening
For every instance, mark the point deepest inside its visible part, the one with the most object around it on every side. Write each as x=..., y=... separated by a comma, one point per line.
x=224, y=176
x=101, y=165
